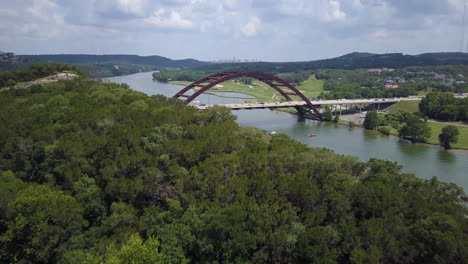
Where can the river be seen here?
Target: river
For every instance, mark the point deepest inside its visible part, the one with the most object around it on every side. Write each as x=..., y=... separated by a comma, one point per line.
x=425, y=161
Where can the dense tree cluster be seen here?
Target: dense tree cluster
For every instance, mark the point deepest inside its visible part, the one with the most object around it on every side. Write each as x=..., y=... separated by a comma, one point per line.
x=101, y=70
x=97, y=173
x=409, y=126
x=178, y=75
x=361, y=84
x=444, y=106
x=35, y=71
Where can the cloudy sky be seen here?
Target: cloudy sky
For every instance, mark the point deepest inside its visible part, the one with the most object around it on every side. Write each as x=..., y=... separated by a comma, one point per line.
x=272, y=30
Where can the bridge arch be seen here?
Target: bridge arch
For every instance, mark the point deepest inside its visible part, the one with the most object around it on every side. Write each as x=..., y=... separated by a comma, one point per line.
x=271, y=80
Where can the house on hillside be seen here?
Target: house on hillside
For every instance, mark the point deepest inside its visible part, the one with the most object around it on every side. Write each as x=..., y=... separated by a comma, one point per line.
x=391, y=86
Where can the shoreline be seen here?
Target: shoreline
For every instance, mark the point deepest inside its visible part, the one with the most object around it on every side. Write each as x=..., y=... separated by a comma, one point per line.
x=358, y=125
x=393, y=134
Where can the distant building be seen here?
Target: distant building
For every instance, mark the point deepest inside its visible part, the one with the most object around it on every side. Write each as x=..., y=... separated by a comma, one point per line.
x=376, y=71
x=391, y=86
x=379, y=71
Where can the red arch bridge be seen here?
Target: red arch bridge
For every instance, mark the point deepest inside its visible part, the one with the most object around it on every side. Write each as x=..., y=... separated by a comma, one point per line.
x=283, y=87
x=304, y=106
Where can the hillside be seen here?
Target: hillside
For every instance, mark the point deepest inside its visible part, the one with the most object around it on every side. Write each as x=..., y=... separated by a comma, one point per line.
x=97, y=173
x=158, y=61
x=112, y=65
x=349, y=61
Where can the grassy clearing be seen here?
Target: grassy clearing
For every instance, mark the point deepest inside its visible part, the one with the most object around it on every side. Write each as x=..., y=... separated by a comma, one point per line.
x=436, y=128
x=311, y=88
x=407, y=106
x=424, y=93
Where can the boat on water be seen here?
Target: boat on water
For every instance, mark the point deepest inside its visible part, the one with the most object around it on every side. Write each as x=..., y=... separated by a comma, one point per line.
x=311, y=135
x=272, y=133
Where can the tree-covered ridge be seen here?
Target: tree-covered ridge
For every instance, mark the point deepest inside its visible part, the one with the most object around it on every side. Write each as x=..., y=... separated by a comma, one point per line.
x=365, y=83
x=353, y=60
x=35, y=71
x=178, y=75
x=154, y=60
x=97, y=173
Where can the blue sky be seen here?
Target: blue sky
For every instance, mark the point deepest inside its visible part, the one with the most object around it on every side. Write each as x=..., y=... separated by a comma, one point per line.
x=270, y=30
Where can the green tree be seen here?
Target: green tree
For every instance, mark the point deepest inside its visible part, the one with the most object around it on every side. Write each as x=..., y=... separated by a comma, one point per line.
x=10, y=186
x=372, y=120
x=328, y=115
x=88, y=194
x=11, y=83
x=448, y=136
x=132, y=251
x=42, y=221
x=415, y=130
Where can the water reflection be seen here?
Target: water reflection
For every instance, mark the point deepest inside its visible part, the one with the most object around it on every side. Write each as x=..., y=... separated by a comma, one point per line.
x=410, y=149
x=446, y=156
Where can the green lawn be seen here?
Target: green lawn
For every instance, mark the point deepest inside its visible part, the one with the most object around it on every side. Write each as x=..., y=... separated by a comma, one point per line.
x=407, y=106
x=263, y=92
x=312, y=87
x=436, y=128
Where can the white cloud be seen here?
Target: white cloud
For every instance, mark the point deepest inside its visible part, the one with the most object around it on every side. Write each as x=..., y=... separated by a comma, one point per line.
x=162, y=18
x=252, y=27
x=380, y=34
x=332, y=12
x=175, y=2
x=134, y=7
x=323, y=11
x=230, y=4
x=37, y=26
x=44, y=11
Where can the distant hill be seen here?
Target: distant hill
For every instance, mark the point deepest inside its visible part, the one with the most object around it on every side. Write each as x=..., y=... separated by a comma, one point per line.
x=349, y=61
x=111, y=65
x=157, y=61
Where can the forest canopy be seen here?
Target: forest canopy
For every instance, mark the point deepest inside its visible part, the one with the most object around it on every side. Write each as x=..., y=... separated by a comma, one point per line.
x=98, y=173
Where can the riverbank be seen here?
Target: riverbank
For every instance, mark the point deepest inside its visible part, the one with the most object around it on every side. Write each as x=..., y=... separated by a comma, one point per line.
x=435, y=126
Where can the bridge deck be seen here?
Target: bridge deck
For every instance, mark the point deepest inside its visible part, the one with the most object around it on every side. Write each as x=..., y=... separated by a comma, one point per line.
x=302, y=103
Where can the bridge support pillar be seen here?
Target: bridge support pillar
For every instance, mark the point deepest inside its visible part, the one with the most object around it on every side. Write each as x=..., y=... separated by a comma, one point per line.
x=305, y=112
